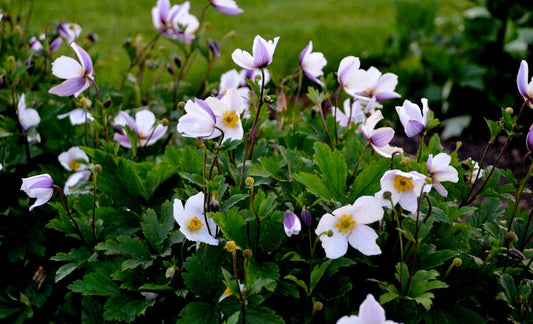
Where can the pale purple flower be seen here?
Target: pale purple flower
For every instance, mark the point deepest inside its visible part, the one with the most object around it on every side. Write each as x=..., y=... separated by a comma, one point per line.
x=192, y=221
x=414, y=120
x=199, y=120
x=379, y=138
x=404, y=188
x=370, y=312
x=40, y=187
x=524, y=87
x=291, y=224
x=54, y=45
x=78, y=76
x=143, y=125
x=312, y=63
x=69, y=31
x=263, y=52
x=440, y=170
x=214, y=48
x=228, y=7
x=77, y=116
x=175, y=22
x=529, y=139
x=75, y=183
x=35, y=44
x=379, y=86
x=233, y=79
x=75, y=159
x=227, y=112
x=28, y=117
x=351, y=78
x=348, y=225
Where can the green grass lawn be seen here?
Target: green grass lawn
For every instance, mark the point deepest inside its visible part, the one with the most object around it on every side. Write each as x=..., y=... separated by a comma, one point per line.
x=337, y=28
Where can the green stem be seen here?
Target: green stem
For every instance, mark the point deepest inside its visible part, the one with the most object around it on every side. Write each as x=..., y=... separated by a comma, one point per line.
x=65, y=203
x=518, y=195
x=352, y=177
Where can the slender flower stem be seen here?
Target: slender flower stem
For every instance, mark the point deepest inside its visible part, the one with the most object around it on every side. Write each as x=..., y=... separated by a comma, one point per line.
x=352, y=177
x=421, y=145
x=95, y=174
x=416, y=239
x=65, y=203
x=524, y=240
x=251, y=138
x=400, y=239
x=518, y=195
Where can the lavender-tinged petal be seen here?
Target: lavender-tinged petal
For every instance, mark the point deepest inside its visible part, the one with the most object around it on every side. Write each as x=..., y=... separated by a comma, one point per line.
x=529, y=139
x=163, y=6
x=68, y=87
x=370, y=311
x=413, y=128
x=159, y=132
x=43, y=198
x=54, y=45
x=123, y=140
x=382, y=96
x=521, y=79
x=307, y=49
x=124, y=119
x=145, y=121
x=202, y=104
x=229, y=10
x=260, y=52
x=85, y=59
x=29, y=118
x=85, y=87
x=382, y=136
x=43, y=183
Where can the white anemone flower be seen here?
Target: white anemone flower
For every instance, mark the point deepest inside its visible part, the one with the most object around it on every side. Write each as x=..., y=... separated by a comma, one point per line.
x=192, y=221
x=312, y=63
x=440, y=170
x=76, y=181
x=227, y=111
x=199, y=120
x=348, y=225
x=40, y=187
x=28, y=117
x=370, y=312
x=404, y=188
x=75, y=159
x=261, y=57
x=379, y=138
x=413, y=119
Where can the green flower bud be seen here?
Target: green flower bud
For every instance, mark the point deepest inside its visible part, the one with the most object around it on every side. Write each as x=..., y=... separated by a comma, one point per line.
x=510, y=236
x=249, y=181
x=318, y=306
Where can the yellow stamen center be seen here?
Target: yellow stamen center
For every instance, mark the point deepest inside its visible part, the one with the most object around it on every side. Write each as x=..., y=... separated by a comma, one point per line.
x=402, y=183
x=228, y=292
x=73, y=165
x=345, y=224
x=194, y=224
x=230, y=119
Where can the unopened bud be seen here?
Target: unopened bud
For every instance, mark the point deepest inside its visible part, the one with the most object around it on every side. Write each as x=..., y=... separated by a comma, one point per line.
x=247, y=253
x=429, y=180
x=85, y=102
x=177, y=61
x=107, y=103
x=515, y=253
x=164, y=121
x=214, y=205
x=249, y=181
x=93, y=37
x=171, y=271
x=215, y=49
x=318, y=306
x=181, y=105
x=151, y=64
x=31, y=66
x=11, y=59
x=171, y=69
x=329, y=233
x=97, y=168
x=510, y=236
x=457, y=262
x=509, y=110
x=387, y=195
x=306, y=217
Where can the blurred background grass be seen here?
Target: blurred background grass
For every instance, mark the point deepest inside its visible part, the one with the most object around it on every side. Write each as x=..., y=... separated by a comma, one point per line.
x=337, y=28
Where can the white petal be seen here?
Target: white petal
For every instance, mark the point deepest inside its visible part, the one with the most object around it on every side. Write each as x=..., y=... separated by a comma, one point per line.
x=363, y=238
x=243, y=59
x=66, y=68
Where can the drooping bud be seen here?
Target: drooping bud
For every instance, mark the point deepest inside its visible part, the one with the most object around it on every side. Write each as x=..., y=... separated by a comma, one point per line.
x=215, y=49
x=247, y=253
x=93, y=37
x=164, y=121
x=515, y=253
x=107, y=103
x=171, y=271
x=457, y=262
x=31, y=66
x=318, y=306
x=177, y=61
x=291, y=224
x=249, y=181
x=231, y=247
x=510, y=236
x=214, y=205
x=97, y=168
x=306, y=217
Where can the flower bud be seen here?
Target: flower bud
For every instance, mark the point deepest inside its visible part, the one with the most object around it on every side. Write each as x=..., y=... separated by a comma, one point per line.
x=457, y=262
x=249, y=181
x=84, y=102
x=93, y=37
x=31, y=66
x=171, y=271
x=329, y=233
x=177, y=61
x=97, y=168
x=529, y=139
x=107, y=103
x=171, y=69
x=214, y=205
x=387, y=195
x=509, y=110
x=247, y=253
x=215, y=49
x=164, y=121
x=291, y=224
x=318, y=306
x=515, y=253
x=306, y=217
x=181, y=105
x=510, y=236
x=151, y=64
